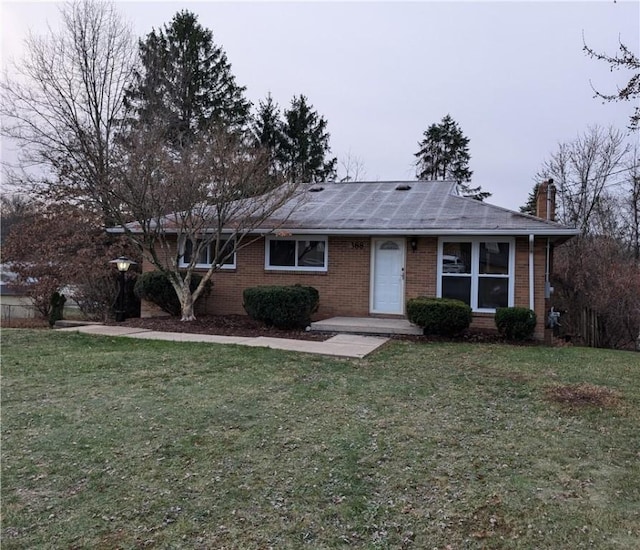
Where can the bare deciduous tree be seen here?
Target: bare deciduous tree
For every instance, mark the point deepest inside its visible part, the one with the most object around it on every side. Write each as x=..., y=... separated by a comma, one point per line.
x=626, y=60
x=205, y=198
x=596, y=275
x=582, y=170
x=631, y=203
x=352, y=167
x=598, y=285
x=63, y=103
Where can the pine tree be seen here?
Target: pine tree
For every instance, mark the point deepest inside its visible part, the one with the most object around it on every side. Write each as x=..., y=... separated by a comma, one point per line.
x=266, y=130
x=186, y=81
x=444, y=155
x=531, y=207
x=305, y=144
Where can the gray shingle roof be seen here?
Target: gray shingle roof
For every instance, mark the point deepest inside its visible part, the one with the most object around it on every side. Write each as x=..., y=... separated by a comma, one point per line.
x=395, y=208
x=426, y=207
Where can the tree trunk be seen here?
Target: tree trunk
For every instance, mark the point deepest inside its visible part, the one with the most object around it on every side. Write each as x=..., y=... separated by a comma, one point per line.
x=187, y=305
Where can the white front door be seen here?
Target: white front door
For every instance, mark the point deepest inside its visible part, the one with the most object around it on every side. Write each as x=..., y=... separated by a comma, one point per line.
x=387, y=278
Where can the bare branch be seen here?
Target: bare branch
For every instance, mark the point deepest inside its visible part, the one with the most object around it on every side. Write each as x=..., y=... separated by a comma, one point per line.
x=627, y=60
x=582, y=170
x=213, y=192
x=65, y=103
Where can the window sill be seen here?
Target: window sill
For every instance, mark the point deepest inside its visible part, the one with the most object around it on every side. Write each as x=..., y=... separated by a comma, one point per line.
x=289, y=270
x=204, y=267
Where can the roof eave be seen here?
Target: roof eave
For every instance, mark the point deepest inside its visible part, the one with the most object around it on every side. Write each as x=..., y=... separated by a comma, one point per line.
x=551, y=232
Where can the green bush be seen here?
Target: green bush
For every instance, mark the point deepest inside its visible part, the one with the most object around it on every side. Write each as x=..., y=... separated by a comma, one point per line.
x=314, y=296
x=156, y=288
x=516, y=323
x=439, y=315
x=284, y=307
x=56, y=311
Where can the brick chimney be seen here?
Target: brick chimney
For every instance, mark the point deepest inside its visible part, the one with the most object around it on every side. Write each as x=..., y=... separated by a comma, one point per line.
x=546, y=201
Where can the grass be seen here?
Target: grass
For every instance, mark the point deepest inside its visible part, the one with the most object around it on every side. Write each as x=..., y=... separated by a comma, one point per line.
x=119, y=443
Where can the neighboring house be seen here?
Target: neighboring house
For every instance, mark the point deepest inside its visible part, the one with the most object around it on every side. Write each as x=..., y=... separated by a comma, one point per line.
x=369, y=247
x=14, y=302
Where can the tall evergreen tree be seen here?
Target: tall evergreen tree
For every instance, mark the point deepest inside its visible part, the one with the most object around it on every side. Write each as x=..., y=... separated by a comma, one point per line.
x=444, y=155
x=531, y=207
x=305, y=144
x=186, y=81
x=267, y=132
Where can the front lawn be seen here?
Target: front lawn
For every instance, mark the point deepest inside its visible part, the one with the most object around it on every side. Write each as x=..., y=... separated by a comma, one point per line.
x=121, y=443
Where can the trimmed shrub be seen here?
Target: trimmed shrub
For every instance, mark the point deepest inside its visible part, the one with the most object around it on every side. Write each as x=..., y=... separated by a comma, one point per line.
x=156, y=288
x=439, y=315
x=284, y=307
x=314, y=296
x=57, y=308
x=516, y=323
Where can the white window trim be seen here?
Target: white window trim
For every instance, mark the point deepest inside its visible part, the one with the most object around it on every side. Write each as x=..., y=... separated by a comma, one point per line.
x=297, y=238
x=208, y=265
x=475, y=264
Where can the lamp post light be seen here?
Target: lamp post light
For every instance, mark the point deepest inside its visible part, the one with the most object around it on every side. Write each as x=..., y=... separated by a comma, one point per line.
x=123, y=264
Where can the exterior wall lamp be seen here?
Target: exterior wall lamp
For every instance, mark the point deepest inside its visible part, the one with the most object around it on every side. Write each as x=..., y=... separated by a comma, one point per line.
x=123, y=264
x=413, y=243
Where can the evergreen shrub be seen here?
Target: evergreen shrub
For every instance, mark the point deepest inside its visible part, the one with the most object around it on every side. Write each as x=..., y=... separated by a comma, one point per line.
x=516, y=323
x=155, y=287
x=284, y=307
x=441, y=316
x=56, y=310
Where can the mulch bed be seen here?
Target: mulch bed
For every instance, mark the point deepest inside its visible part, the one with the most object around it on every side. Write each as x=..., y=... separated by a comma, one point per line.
x=225, y=325
x=242, y=325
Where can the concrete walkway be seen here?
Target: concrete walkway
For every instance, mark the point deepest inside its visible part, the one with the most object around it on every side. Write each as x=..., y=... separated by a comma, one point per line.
x=342, y=345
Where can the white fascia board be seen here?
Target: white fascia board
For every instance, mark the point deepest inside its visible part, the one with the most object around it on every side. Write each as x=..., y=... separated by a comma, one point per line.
x=413, y=232
x=425, y=232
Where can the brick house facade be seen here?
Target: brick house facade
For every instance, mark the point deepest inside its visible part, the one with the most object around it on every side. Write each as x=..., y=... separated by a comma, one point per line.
x=345, y=289
x=369, y=247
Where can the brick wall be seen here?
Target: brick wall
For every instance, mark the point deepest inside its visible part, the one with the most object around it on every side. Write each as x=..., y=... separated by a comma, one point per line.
x=421, y=278
x=344, y=288
x=421, y=268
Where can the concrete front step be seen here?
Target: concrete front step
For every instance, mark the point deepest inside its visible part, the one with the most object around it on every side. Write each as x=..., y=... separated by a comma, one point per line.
x=366, y=325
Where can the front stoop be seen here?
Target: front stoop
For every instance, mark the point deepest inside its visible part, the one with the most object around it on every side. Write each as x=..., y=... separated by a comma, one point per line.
x=366, y=325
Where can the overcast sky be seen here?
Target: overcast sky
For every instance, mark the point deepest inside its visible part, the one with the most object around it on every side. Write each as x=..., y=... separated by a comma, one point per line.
x=512, y=74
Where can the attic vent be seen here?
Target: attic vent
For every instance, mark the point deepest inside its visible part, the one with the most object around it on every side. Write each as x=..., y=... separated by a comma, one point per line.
x=403, y=187
x=316, y=189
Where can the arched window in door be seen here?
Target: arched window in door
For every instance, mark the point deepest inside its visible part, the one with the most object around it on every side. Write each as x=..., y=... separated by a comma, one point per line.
x=389, y=245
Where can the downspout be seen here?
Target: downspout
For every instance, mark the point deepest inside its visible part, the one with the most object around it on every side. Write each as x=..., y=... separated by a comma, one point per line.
x=551, y=203
x=531, y=273
x=547, y=275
